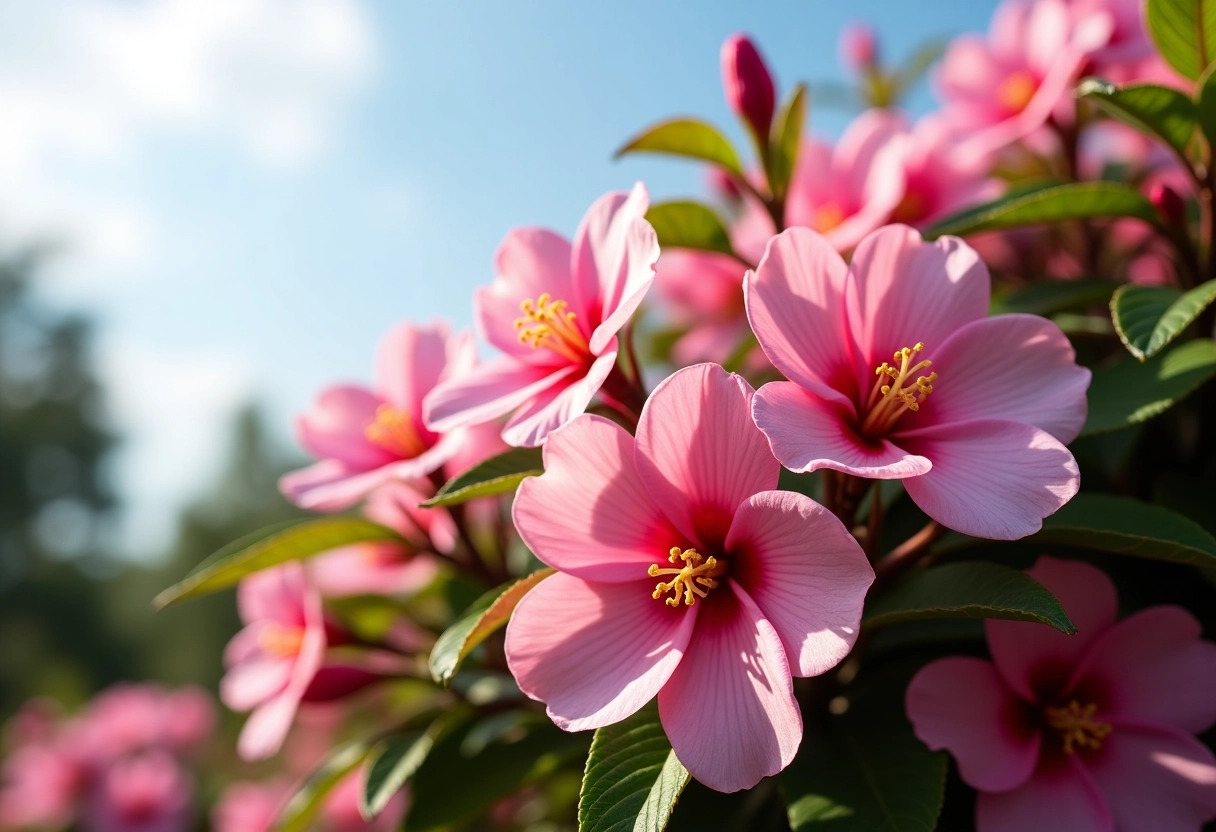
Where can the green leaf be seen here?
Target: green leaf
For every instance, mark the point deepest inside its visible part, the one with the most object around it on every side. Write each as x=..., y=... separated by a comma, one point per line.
x=686, y=137
x=301, y=811
x=1205, y=105
x=689, y=225
x=1185, y=33
x=1047, y=297
x=1131, y=392
x=968, y=590
x=1129, y=527
x=1148, y=318
x=633, y=778
x=497, y=475
x=295, y=541
x=487, y=614
x=1166, y=113
x=1056, y=203
x=391, y=764
x=786, y=139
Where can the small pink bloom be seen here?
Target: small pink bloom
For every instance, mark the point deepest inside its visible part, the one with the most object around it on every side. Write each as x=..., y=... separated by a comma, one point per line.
x=682, y=573
x=939, y=181
x=272, y=662
x=554, y=309
x=147, y=792
x=748, y=84
x=40, y=786
x=1086, y=733
x=1002, y=88
x=984, y=454
x=366, y=437
x=132, y=717
x=250, y=807
x=858, y=47
x=379, y=568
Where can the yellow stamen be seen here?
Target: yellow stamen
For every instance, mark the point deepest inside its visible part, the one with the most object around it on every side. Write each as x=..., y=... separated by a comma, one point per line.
x=827, y=217
x=546, y=323
x=394, y=431
x=1077, y=726
x=1015, y=92
x=693, y=580
x=896, y=391
x=280, y=640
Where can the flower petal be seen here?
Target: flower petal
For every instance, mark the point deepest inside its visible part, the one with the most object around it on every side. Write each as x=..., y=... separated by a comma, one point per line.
x=795, y=305
x=529, y=262
x=729, y=708
x=1036, y=659
x=612, y=259
x=488, y=392
x=961, y=704
x=593, y=652
x=805, y=572
x=700, y=453
x=1156, y=778
x=632, y=283
x=250, y=683
x=1019, y=368
x=1060, y=795
x=1153, y=667
x=557, y=405
x=590, y=514
x=806, y=433
x=336, y=427
x=903, y=290
x=991, y=478
x=410, y=361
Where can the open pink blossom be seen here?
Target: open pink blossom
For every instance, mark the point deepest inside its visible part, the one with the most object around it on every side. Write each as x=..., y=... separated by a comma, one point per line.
x=271, y=663
x=364, y=437
x=1084, y=733
x=1001, y=88
x=682, y=573
x=554, y=310
x=984, y=454
x=131, y=717
x=937, y=179
x=146, y=792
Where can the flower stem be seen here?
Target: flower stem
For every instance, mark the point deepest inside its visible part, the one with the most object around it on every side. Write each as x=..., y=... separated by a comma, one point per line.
x=908, y=553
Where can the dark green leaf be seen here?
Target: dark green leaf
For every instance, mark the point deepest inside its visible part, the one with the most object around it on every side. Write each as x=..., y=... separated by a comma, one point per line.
x=1130, y=392
x=1129, y=527
x=689, y=225
x=1205, y=104
x=497, y=475
x=1166, y=113
x=259, y=551
x=302, y=810
x=1185, y=33
x=633, y=778
x=1057, y=203
x=1047, y=297
x=689, y=138
x=787, y=137
x=968, y=590
x=487, y=614
x=391, y=764
x=1148, y=318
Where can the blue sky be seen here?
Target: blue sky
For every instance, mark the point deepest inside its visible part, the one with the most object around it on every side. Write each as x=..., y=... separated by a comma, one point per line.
x=256, y=189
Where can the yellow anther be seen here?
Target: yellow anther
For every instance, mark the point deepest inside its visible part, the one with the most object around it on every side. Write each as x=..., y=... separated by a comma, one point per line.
x=905, y=390
x=546, y=323
x=1076, y=726
x=693, y=579
x=394, y=431
x=1016, y=91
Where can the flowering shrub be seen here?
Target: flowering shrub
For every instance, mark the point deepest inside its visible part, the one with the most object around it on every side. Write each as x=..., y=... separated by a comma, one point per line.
x=786, y=589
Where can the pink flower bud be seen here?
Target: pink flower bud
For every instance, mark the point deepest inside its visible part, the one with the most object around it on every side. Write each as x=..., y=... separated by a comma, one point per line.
x=858, y=47
x=748, y=84
x=1170, y=206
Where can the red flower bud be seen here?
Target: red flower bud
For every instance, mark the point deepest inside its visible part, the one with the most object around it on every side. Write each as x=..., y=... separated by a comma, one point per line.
x=1170, y=206
x=858, y=47
x=748, y=84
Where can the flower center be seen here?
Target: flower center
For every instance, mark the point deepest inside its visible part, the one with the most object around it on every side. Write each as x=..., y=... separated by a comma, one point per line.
x=896, y=391
x=394, y=431
x=1015, y=92
x=1076, y=726
x=828, y=217
x=693, y=580
x=281, y=641
x=546, y=323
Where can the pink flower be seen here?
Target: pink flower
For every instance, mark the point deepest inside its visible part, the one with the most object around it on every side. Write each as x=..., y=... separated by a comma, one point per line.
x=272, y=662
x=1001, y=88
x=366, y=437
x=748, y=85
x=1084, y=733
x=753, y=585
x=704, y=292
x=984, y=454
x=147, y=792
x=132, y=717
x=858, y=47
x=939, y=181
x=554, y=309
x=40, y=784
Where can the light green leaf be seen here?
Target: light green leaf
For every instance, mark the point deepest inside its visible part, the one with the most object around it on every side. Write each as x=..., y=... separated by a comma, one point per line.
x=967, y=590
x=786, y=139
x=301, y=811
x=487, y=614
x=1056, y=203
x=1129, y=527
x=1185, y=33
x=1131, y=392
x=391, y=764
x=689, y=225
x=497, y=475
x=1148, y=318
x=686, y=137
x=262, y=550
x=633, y=778
x=1166, y=113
